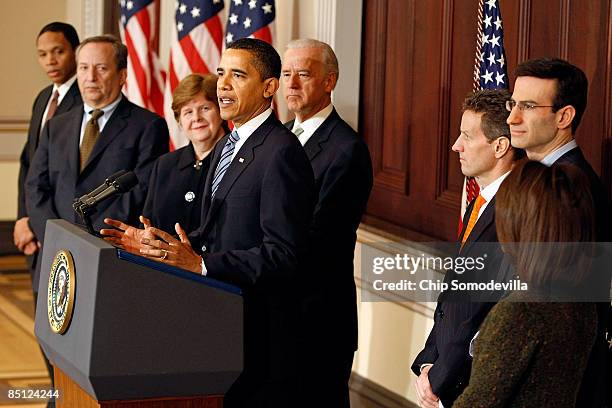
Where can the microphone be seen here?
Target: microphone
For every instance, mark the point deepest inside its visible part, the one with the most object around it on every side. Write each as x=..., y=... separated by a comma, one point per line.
x=117, y=183
x=121, y=184
x=109, y=180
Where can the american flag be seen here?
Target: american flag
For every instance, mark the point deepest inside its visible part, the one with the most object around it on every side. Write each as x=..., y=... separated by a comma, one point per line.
x=490, y=63
x=145, y=77
x=250, y=18
x=197, y=40
x=490, y=71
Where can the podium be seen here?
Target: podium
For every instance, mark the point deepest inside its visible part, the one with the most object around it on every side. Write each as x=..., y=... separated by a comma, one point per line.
x=141, y=333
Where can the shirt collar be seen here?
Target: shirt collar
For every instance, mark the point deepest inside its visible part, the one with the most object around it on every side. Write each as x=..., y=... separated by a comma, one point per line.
x=311, y=125
x=489, y=191
x=251, y=126
x=108, y=109
x=553, y=156
x=63, y=89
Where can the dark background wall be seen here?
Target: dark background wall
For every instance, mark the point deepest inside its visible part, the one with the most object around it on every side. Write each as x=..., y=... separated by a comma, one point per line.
x=418, y=58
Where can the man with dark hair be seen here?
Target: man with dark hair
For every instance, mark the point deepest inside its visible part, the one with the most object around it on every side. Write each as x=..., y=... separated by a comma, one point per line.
x=546, y=108
x=83, y=146
x=56, y=45
x=258, y=202
x=343, y=173
x=485, y=153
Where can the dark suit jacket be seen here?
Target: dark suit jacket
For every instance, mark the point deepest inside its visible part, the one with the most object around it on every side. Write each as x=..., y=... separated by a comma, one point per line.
x=598, y=373
x=253, y=235
x=176, y=188
x=343, y=176
x=132, y=139
x=70, y=100
x=458, y=317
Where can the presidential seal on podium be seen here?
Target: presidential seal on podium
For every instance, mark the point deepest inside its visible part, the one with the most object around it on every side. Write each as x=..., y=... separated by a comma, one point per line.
x=60, y=294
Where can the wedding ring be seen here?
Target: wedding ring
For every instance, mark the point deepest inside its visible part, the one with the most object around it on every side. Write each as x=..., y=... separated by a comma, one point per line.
x=165, y=254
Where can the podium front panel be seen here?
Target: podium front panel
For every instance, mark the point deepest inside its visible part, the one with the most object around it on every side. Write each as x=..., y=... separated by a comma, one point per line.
x=139, y=331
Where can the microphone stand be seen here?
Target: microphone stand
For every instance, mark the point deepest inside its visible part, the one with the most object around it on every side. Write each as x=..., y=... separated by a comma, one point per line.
x=85, y=212
x=86, y=205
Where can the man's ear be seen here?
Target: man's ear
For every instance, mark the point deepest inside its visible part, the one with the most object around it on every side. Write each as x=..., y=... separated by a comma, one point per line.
x=565, y=116
x=330, y=81
x=271, y=86
x=502, y=146
x=122, y=76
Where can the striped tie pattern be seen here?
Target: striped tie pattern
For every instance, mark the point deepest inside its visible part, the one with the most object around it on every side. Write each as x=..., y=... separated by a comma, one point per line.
x=298, y=131
x=226, y=159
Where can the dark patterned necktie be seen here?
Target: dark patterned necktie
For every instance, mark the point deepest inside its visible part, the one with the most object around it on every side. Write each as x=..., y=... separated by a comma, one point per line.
x=92, y=131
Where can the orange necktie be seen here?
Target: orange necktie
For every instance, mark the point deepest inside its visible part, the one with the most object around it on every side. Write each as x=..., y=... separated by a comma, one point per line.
x=473, y=217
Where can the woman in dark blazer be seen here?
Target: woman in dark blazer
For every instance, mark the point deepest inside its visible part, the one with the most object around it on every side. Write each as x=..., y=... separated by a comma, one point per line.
x=177, y=179
x=532, y=349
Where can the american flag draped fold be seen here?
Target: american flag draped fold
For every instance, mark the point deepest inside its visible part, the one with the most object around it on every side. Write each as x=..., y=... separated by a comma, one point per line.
x=250, y=18
x=145, y=78
x=197, y=40
x=490, y=71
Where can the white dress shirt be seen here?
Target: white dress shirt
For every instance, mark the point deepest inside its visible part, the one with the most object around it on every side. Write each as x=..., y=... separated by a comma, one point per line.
x=246, y=130
x=62, y=90
x=102, y=120
x=489, y=192
x=553, y=156
x=309, y=126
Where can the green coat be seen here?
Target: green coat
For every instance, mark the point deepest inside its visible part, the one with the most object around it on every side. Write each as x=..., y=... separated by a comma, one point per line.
x=530, y=354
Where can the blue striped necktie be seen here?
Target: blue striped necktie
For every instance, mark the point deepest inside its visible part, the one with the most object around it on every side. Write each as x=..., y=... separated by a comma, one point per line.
x=226, y=159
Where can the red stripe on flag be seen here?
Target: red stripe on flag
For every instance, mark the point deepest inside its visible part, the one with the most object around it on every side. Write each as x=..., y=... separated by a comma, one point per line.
x=216, y=31
x=157, y=96
x=141, y=76
x=264, y=34
x=174, y=81
x=145, y=23
x=193, y=56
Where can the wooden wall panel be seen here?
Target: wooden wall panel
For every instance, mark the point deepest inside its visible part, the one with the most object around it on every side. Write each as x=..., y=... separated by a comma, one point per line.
x=418, y=59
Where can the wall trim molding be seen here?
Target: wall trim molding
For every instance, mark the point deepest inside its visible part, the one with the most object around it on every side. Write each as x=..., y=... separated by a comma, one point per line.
x=14, y=123
x=372, y=395
x=92, y=18
x=13, y=135
x=326, y=21
x=386, y=242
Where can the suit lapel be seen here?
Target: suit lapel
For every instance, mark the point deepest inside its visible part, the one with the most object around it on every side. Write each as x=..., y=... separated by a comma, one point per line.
x=70, y=99
x=315, y=144
x=36, y=120
x=214, y=161
x=115, y=125
x=73, y=134
x=243, y=158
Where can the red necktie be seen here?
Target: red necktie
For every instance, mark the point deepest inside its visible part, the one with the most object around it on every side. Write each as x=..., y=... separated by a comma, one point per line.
x=473, y=217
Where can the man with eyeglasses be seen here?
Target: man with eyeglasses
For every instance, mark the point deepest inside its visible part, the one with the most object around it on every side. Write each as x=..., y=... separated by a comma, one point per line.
x=546, y=107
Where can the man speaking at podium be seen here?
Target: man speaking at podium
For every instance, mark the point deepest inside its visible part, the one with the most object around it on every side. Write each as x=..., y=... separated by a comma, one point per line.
x=258, y=202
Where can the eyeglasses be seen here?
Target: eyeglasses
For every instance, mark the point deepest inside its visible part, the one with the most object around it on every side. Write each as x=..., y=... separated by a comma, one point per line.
x=523, y=106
